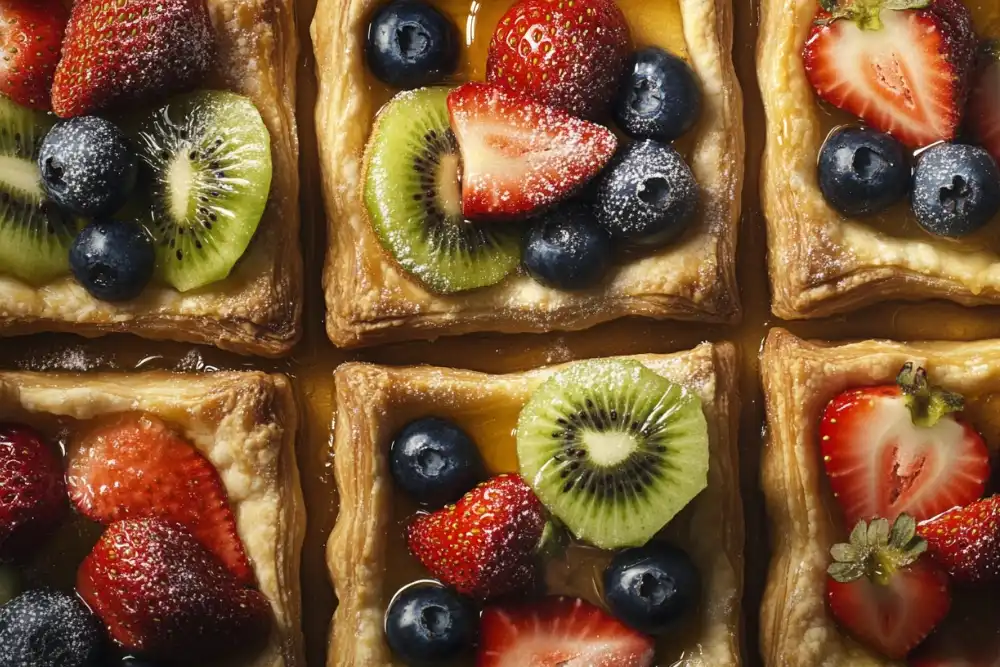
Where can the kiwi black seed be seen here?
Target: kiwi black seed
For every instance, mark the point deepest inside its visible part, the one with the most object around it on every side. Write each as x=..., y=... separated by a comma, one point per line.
x=613, y=450
x=413, y=197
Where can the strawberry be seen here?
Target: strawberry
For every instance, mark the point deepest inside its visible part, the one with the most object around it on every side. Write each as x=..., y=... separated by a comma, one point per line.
x=32, y=492
x=131, y=52
x=135, y=466
x=968, y=638
x=965, y=541
x=161, y=594
x=882, y=591
x=557, y=632
x=31, y=32
x=903, y=66
x=485, y=544
x=563, y=54
x=519, y=156
x=898, y=448
x=984, y=104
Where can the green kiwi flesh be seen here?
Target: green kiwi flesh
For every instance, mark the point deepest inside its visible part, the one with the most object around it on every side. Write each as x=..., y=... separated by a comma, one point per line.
x=35, y=236
x=413, y=196
x=209, y=158
x=613, y=450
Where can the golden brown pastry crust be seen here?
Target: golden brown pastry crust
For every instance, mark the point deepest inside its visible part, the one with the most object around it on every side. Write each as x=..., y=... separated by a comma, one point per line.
x=370, y=300
x=799, y=379
x=257, y=309
x=369, y=401
x=245, y=424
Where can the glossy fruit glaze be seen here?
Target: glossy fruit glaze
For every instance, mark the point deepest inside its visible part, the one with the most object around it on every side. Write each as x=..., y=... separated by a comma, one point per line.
x=314, y=360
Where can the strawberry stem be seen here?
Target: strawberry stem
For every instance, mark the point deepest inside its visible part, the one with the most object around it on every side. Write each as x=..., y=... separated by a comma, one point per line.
x=927, y=404
x=867, y=13
x=877, y=551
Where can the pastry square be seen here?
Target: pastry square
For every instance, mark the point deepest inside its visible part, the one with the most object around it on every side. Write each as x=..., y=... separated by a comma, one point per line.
x=366, y=548
x=370, y=300
x=257, y=309
x=821, y=263
x=244, y=423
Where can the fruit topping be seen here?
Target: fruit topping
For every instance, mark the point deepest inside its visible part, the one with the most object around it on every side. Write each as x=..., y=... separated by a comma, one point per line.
x=648, y=195
x=26, y=72
x=135, y=466
x=88, y=166
x=567, y=249
x=901, y=65
x=43, y=628
x=435, y=461
x=210, y=156
x=113, y=260
x=414, y=200
x=898, y=448
x=984, y=103
x=33, y=502
x=485, y=544
x=561, y=53
x=652, y=587
x=519, y=156
x=956, y=189
x=411, y=44
x=965, y=541
x=882, y=590
x=163, y=596
x=863, y=172
x=131, y=52
x=10, y=584
x=427, y=624
x=613, y=450
x=559, y=631
x=659, y=96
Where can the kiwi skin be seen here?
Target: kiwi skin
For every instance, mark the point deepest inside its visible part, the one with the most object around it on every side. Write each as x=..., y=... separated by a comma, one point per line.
x=613, y=450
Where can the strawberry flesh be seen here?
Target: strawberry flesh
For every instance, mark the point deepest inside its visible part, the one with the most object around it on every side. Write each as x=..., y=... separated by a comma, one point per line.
x=965, y=541
x=31, y=34
x=519, y=156
x=984, y=104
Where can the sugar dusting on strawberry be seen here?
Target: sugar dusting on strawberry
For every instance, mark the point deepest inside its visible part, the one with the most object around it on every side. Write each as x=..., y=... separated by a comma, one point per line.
x=965, y=541
x=31, y=33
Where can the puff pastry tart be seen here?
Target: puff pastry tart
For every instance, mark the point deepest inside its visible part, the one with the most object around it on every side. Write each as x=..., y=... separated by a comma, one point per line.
x=459, y=209
x=185, y=492
x=202, y=245
x=876, y=479
x=507, y=494
x=867, y=193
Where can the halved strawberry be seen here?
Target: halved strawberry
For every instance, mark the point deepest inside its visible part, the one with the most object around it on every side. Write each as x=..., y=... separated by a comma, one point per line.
x=899, y=448
x=903, y=66
x=136, y=466
x=559, y=632
x=31, y=33
x=882, y=591
x=519, y=156
x=965, y=541
x=984, y=104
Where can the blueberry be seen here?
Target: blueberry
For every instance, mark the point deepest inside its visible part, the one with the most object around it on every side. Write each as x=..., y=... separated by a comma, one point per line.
x=648, y=195
x=434, y=461
x=659, y=97
x=48, y=628
x=567, y=248
x=411, y=44
x=113, y=260
x=956, y=189
x=863, y=172
x=427, y=624
x=651, y=587
x=88, y=166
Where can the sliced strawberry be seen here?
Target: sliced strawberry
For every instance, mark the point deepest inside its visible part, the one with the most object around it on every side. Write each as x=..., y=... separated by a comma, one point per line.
x=882, y=591
x=519, y=156
x=136, y=466
x=559, y=632
x=31, y=32
x=131, y=52
x=898, y=448
x=984, y=104
x=904, y=71
x=965, y=541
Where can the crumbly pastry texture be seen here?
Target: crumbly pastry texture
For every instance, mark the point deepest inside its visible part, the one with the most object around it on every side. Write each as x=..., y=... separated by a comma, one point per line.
x=820, y=263
x=373, y=402
x=370, y=300
x=245, y=424
x=799, y=379
x=257, y=309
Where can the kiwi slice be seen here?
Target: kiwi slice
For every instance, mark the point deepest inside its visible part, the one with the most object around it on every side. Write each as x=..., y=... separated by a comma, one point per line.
x=209, y=158
x=413, y=195
x=613, y=450
x=35, y=236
